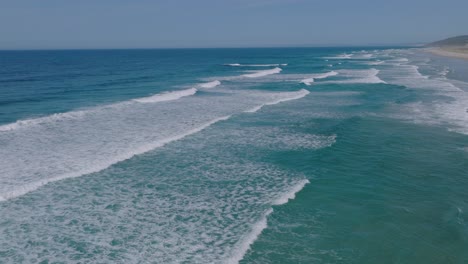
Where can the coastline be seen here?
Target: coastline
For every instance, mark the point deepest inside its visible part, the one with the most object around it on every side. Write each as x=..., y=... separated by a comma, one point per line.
x=449, y=53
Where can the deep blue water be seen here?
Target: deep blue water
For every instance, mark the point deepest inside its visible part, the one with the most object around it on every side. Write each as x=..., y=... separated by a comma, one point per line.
x=281, y=155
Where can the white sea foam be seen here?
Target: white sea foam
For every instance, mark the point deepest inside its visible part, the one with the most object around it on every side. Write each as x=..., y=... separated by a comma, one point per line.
x=448, y=102
x=340, y=57
x=311, y=79
x=243, y=246
x=168, y=96
x=445, y=71
x=77, y=114
x=46, y=119
x=257, y=65
x=209, y=218
x=375, y=62
x=263, y=73
x=308, y=81
x=358, y=76
x=288, y=96
x=291, y=194
x=367, y=56
x=325, y=75
x=214, y=216
x=211, y=84
x=79, y=143
x=247, y=241
x=21, y=190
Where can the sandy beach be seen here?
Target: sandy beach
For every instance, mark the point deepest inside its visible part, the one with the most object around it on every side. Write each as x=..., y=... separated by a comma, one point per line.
x=454, y=53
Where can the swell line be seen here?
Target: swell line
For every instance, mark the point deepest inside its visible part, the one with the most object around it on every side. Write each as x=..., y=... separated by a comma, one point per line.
x=161, y=97
x=295, y=95
x=244, y=245
x=147, y=147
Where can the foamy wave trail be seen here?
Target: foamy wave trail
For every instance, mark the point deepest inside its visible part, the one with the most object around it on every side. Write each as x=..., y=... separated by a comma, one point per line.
x=263, y=73
x=5, y=195
x=244, y=245
x=288, y=97
x=210, y=85
x=363, y=56
x=445, y=71
x=340, y=57
x=358, y=76
x=379, y=62
x=291, y=194
x=76, y=144
x=310, y=80
x=401, y=60
x=46, y=119
x=451, y=114
x=257, y=65
x=168, y=96
x=79, y=114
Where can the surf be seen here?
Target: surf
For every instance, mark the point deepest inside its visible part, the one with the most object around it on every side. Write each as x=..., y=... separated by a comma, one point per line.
x=310, y=80
x=289, y=96
x=263, y=73
x=170, y=96
x=368, y=76
x=244, y=245
x=78, y=114
x=210, y=85
x=103, y=165
x=256, y=65
x=75, y=144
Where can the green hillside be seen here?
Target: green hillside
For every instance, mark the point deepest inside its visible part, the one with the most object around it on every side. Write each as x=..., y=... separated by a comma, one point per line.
x=459, y=41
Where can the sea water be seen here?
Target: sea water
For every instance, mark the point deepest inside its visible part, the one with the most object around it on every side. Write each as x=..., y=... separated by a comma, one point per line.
x=304, y=155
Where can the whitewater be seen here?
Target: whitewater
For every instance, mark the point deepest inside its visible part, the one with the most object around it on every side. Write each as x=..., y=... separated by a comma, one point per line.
x=233, y=156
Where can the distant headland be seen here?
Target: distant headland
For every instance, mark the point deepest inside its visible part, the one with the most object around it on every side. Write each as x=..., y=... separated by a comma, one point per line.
x=452, y=47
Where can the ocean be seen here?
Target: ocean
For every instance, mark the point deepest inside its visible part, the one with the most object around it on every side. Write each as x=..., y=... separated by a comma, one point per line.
x=274, y=155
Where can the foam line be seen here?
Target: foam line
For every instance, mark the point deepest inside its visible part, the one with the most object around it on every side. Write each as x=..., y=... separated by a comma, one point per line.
x=359, y=76
x=123, y=156
x=36, y=121
x=291, y=194
x=263, y=73
x=310, y=80
x=340, y=57
x=375, y=62
x=256, y=65
x=169, y=96
x=210, y=85
x=294, y=96
x=244, y=245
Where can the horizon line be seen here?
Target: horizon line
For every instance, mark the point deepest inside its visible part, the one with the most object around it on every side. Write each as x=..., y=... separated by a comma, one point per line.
x=220, y=47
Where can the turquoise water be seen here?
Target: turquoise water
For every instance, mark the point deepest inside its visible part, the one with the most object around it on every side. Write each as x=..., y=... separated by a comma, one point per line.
x=338, y=155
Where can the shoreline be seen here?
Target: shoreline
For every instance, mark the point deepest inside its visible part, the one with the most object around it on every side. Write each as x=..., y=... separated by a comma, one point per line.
x=448, y=53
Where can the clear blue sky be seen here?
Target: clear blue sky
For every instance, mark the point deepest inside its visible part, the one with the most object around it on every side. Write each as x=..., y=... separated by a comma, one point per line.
x=49, y=24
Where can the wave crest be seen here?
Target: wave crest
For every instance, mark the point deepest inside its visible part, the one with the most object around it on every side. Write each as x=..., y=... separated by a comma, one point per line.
x=256, y=65
x=244, y=245
x=209, y=85
x=310, y=80
x=290, y=96
x=263, y=73
x=168, y=96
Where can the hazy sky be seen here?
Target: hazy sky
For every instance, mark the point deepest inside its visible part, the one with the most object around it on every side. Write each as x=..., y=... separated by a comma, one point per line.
x=46, y=24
